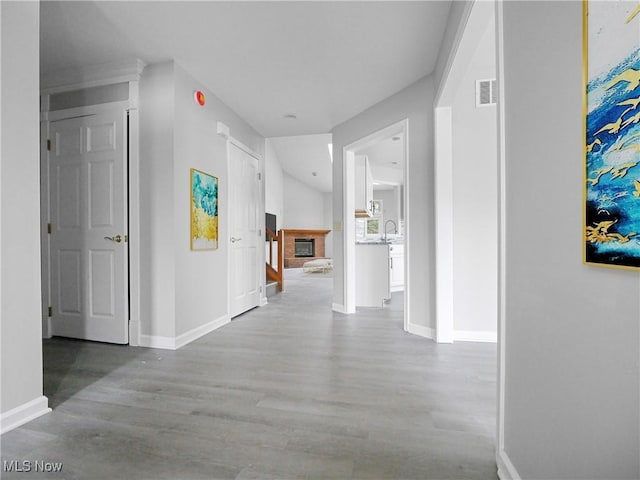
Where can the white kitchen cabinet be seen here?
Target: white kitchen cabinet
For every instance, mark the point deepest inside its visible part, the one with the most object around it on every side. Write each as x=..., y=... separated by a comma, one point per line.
x=372, y=274
x=364, y=187
x=396, y=268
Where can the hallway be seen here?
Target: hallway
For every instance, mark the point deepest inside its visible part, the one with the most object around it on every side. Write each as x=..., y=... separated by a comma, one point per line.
x=289, y=390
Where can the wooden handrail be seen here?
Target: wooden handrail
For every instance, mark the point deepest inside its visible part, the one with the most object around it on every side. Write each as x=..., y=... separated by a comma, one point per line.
x=276, y=273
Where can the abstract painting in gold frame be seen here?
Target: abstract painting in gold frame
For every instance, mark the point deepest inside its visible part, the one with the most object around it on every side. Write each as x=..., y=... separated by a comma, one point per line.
x=611, y=40
x=204, y=211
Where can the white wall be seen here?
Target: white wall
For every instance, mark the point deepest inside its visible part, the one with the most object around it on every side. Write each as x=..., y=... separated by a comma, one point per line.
x=201, y=277
x=20, y=321
x=458, y=15
x=390, y=208
x=475, y=200
x=571, y=391
x=415, y=103
x=327, y=208
x=274, y=184
x=303, y=205
x=187, y=290
x=157, y=266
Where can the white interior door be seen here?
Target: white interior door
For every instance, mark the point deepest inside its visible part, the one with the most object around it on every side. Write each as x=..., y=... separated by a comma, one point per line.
x=88, y=242
x=244, y=229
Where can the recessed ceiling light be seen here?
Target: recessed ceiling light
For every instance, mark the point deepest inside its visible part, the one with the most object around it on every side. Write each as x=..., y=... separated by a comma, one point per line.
x=290, y=116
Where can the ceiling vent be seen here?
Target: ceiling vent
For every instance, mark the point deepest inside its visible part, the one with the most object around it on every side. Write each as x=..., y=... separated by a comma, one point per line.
x=486, y=92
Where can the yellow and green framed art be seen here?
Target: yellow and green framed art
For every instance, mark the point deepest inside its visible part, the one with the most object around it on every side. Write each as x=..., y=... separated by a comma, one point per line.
x=204, y=211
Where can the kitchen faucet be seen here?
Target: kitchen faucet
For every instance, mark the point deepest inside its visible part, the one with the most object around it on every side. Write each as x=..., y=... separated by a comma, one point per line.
x=395, y=229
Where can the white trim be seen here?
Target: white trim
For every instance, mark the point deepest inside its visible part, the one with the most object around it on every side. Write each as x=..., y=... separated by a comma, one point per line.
x=45, y=218
x=421, y=330
x=84, y=111
x=444, y=223
x=502, y=246
x=338, y=308
x=174, y=343
x=244, y=148
x=349, y=273
x=407, y=229
x=156, y=341
x=23, y=413
x=223, y=131
x=91, y=76
x=133, y=212
x=506, y=470
x=475, y=336
x=134, y=218
x=195, y=333
x=349, y=236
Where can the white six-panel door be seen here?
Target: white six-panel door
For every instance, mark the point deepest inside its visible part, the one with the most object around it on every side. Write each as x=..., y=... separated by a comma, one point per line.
x=89, y=279
x=244, y=228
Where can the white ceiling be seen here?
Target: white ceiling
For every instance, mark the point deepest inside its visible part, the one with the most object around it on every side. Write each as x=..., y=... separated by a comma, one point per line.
x=302, y=155
x=322, y=61
x=386, y=159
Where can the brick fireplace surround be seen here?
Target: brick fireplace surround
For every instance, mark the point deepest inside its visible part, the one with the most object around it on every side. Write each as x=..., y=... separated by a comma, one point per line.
x=290, y=259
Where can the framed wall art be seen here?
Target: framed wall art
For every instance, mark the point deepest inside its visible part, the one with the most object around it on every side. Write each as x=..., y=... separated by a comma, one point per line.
x=611, y=41
x=204, y=211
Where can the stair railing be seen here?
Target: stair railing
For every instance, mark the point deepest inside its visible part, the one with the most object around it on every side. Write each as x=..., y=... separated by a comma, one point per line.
x=275, y=272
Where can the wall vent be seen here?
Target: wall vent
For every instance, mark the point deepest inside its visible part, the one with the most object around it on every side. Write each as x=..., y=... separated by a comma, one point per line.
x=486, y=92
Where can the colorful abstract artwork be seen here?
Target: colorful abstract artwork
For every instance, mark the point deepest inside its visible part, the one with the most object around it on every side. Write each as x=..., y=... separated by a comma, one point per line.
x=612, y=143
x=204, y=211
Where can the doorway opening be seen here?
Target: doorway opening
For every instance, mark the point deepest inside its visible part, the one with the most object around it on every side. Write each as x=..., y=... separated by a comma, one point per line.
x=376, y=249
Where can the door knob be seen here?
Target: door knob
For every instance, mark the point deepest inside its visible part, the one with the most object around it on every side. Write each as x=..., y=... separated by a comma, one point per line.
x=234, y=239
x=116, y=239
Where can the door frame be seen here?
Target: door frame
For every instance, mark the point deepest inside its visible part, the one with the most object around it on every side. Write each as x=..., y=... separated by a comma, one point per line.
x=132, y=190
x=348, y=185
x=223, y=131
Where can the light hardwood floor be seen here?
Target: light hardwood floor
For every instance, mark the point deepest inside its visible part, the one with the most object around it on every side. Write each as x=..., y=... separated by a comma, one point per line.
x=289, y=390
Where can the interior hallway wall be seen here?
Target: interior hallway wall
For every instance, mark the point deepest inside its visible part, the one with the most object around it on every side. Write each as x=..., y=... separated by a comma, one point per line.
x=157, y=267
x=327, y=224
x=414, y=103
x=20, y=299
x=571, y=398
x=475, y=200
x=189, y=289
x=390, y=208
x=303, y=206
x=274, y=184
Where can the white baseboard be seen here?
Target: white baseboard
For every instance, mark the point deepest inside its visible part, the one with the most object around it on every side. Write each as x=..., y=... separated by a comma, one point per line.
x=475, y=336
x=338, y=308
x=174, y=343
x=134, y=333
x=421, y=330
x=200, y=331
x=23, y=414
x=156, y=341
x=264, y=301
x=506, y=470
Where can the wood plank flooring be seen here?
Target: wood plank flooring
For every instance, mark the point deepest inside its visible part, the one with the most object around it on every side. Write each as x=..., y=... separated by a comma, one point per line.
x=289, y=390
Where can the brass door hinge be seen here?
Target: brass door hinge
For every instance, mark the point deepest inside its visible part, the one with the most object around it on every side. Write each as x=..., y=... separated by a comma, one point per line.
x=48, y=144
x=49, y=228
x=259, y=176
x=50, y=311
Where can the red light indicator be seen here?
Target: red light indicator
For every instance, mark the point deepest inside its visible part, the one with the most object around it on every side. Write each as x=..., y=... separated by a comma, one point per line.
x=199, y=98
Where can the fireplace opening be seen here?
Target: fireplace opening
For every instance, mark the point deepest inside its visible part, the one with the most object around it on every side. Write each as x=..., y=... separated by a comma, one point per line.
x=305, y=247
